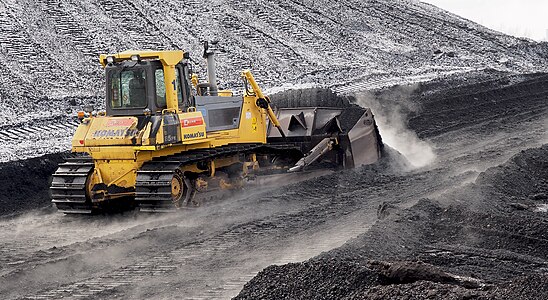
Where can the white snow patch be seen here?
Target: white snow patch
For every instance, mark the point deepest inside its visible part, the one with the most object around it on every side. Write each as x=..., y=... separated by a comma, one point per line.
x=542, y=208
x=288, y=86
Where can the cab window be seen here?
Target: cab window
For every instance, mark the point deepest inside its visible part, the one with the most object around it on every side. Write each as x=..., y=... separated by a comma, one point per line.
x=179, y=89
x=161, y=88
x=128, y=89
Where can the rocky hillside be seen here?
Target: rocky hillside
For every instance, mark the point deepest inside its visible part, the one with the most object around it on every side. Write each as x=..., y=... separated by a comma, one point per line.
x=48, y=49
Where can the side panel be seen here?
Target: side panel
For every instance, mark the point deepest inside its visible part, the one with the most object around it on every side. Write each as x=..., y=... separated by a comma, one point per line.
x=79, y=137
x=220, y=113
x=192, y=126
x=364, y=144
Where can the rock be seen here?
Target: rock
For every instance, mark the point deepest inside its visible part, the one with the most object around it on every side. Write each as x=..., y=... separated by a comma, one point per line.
x=539, y=196
x=519, y=206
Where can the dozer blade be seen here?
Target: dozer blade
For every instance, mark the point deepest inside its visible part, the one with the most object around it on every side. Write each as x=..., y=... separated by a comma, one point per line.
x=347, y=136
x=365, y=142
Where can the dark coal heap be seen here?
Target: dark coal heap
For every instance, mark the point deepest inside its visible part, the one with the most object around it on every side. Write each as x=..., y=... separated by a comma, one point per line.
x=25, y=184
x=486, y=241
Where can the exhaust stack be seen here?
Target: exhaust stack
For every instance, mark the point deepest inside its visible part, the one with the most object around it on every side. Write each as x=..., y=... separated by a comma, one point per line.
x=209, y=55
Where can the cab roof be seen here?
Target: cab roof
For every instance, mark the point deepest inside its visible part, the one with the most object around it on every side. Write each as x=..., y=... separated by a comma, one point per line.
x=168, y=58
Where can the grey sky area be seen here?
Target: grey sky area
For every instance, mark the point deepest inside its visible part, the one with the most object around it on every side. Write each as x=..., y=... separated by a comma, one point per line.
x=523, y=18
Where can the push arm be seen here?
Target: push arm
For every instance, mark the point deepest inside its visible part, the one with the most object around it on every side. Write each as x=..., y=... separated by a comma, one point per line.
x=262, y=100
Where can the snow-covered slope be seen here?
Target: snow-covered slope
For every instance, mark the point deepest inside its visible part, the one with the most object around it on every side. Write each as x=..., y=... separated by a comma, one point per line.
x=49, y=49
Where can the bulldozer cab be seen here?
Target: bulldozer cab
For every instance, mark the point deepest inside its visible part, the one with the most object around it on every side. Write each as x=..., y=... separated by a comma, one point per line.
x=135, y=88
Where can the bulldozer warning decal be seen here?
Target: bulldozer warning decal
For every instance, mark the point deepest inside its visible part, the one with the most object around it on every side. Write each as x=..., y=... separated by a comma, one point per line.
x=192, y=126
x=190, y=122
x=254, y=124
x=120, y=122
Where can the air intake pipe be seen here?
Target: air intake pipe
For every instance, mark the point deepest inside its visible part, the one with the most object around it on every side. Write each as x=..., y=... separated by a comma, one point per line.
x=209, y=55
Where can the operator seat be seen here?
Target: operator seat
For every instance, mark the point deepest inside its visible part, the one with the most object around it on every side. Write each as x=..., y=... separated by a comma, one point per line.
x=137, y=93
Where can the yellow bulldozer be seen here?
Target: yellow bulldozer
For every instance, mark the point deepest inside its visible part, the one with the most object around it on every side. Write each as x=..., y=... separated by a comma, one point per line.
x=165, y=138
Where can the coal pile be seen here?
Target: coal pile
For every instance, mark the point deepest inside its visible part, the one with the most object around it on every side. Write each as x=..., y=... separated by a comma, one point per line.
x=454, y=229
x=347, y=279
x=312, y=97
x=334, y=278
x=488, y=240
x=25, y=183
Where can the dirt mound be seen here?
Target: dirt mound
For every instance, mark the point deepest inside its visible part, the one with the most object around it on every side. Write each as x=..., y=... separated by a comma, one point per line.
x=469, y=244
x=333, y=279
x=444, y=110
x=523, y=178
x=528, y=287
x=346, y=279
x=25, y=183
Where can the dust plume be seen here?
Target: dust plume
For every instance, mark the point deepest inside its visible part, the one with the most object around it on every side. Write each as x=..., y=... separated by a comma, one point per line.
x=390, y=114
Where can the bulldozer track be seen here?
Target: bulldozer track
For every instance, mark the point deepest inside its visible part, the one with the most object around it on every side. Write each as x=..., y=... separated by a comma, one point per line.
x=153, y=186
x=67, y=26
x=230, y=287
x=33, y=59
x=188, y=255
x=28, y=139
x=68, y=187
x=371, y=82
